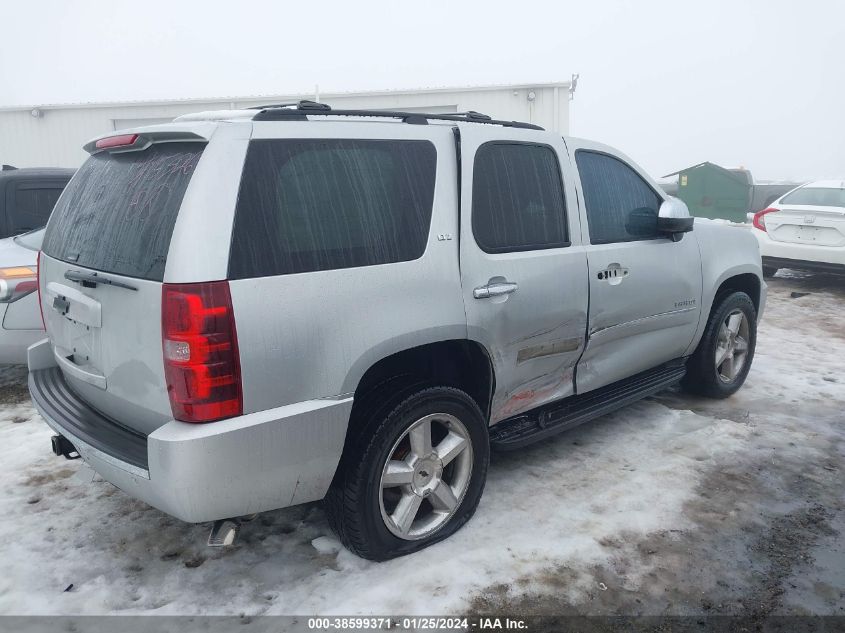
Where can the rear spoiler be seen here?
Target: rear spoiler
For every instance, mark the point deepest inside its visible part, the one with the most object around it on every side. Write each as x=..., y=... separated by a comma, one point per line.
x=138, y=141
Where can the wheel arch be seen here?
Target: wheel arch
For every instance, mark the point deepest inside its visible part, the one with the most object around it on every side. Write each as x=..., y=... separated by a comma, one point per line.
x=457, y=362
x=749, y=283
x=747, y=279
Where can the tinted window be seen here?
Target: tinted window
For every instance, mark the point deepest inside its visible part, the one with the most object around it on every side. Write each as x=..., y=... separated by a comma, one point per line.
x=320, y=204
x=621, y=206
x=816, y=196
x=517, y=198
x=32, y=205
x=118, y=212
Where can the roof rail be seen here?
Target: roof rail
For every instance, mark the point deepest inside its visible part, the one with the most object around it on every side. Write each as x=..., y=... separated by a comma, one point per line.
x=304, y=109
x=303, y=104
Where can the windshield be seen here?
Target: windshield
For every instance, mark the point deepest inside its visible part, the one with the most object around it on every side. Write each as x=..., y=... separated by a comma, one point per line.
x=816, y=197
x=31, y=239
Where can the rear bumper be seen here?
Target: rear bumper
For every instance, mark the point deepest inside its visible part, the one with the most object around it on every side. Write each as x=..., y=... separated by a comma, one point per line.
x=803, y=264
x=787, y=254
x=95, y=433
x=204, y=472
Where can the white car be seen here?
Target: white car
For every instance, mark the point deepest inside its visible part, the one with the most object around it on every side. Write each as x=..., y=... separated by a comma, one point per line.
x=19, y=312
x=804, y=229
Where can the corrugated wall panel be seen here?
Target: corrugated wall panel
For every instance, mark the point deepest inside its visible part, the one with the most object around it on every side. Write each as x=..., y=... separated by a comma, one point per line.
x=55, y=138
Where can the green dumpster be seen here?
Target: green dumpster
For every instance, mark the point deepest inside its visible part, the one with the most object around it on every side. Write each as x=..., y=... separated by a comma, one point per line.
x=711, y=191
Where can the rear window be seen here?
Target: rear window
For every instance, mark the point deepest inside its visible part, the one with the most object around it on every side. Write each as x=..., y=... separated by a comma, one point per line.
x=816, y=197
x=320, y=204
x=118, y=212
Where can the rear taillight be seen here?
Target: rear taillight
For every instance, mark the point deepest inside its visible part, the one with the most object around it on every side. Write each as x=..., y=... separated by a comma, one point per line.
x=38, y=287
x=16, y=282
x=759, y=219
x=200, y=345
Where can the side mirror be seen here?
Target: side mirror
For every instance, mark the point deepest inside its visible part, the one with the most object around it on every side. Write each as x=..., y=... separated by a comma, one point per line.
x=674, y=219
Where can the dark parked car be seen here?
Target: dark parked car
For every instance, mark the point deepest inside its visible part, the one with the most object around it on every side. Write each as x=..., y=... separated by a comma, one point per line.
x=27, y=197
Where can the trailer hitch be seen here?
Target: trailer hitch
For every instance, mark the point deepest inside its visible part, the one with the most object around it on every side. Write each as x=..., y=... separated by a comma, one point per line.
x=63, y=448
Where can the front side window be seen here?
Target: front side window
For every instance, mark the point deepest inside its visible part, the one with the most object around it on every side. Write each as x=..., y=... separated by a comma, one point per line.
x=621, y=206
x=517, y=198
x=320, y=204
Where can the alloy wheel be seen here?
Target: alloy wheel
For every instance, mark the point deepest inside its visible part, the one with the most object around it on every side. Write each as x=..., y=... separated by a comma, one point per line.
x=425, y=476
x=732, y=346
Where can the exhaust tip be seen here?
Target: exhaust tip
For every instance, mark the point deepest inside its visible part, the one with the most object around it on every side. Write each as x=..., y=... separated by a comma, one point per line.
x=223, y=533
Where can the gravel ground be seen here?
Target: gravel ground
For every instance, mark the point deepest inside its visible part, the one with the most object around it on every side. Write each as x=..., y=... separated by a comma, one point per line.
x=674, y=506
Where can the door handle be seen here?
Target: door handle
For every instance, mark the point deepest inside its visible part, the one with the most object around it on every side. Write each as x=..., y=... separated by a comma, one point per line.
x=494, y=289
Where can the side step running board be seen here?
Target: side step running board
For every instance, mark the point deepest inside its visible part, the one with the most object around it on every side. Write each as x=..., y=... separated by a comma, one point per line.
x=553, y=418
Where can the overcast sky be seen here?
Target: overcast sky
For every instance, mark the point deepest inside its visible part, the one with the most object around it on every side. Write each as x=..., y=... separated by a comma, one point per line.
x=751, y=83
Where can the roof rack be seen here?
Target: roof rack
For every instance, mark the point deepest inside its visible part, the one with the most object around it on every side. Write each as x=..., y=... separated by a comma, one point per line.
x=301, y=110
x=303, y=104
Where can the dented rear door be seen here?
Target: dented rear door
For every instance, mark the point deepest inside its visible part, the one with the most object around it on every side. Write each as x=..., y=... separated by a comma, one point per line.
x=523, y=268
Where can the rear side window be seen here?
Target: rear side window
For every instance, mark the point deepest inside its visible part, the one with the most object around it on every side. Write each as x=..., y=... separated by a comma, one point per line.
x=621, y=206
x=517, y=198
x=320, y=204
x=118, y=212
x=32, y=205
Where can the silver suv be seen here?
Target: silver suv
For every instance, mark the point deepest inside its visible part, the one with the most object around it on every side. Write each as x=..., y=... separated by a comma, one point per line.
x=248, y=310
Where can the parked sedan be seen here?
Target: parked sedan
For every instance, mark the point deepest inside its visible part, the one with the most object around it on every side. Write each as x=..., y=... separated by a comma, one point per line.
x=19, y=312
x=804, y=229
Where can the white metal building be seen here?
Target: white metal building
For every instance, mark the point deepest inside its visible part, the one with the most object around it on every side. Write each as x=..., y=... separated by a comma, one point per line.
x=53, y=135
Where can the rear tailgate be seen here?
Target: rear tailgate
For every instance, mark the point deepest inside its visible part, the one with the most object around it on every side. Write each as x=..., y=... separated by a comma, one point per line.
x=102, y=269
x=812, y=225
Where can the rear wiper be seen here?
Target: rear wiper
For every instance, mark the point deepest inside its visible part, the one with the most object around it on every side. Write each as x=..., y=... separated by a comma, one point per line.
x=90, y=280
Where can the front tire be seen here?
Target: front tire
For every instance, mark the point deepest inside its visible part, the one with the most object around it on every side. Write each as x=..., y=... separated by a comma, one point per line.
x=721, y=361
x=413, y=477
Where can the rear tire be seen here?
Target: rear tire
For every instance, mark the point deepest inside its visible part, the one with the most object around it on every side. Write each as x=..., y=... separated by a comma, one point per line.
x=396, y=492
x=721, y=361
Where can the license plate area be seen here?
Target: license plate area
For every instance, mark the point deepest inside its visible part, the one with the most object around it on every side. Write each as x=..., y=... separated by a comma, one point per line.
x=78, y=344
x=816, y=235
x=75, y=328
x=807, y=233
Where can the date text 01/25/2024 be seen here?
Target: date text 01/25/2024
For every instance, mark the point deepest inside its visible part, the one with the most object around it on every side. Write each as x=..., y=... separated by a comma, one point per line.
x=416, y=624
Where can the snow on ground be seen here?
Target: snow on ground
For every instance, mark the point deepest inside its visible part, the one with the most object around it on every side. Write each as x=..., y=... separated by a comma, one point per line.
x=556, y=505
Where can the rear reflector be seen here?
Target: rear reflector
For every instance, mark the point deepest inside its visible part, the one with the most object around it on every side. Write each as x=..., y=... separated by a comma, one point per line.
x=200, y=347
x=759, y=219
x=38, y=286
x=121, y=140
